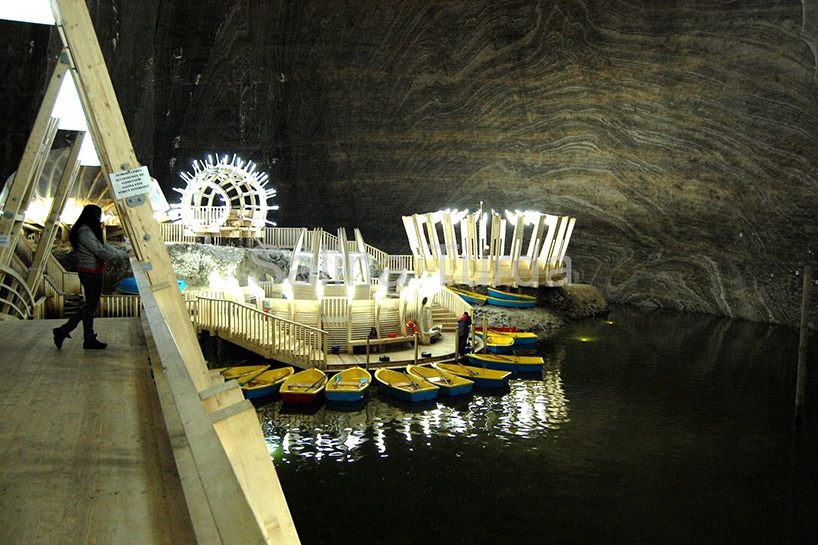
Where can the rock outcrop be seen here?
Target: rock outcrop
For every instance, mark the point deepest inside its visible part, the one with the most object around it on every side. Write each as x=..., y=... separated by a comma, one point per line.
x=681, y=135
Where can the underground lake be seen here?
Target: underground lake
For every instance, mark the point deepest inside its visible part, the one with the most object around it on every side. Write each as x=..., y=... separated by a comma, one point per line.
x=643, y=427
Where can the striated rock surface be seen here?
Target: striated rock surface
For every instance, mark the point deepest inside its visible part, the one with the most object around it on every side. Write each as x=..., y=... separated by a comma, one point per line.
x=682, y=135
x=555, y=308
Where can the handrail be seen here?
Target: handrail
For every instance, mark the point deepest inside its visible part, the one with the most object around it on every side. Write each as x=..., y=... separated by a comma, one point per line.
x=24, y=296
x=277, y=337
x=452, y=302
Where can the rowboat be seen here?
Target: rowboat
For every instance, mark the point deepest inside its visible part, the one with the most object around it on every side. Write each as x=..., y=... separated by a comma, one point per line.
x=523, y=364
x=128, y=285
x=265, y=383
x=304, y=386
x=510, y=303
x=520, y=337
x=241, y=371
x=470, y=296
x=349, y=385
x=449, y=383
x=404, y=386
x=498, y=294
x=499, y=343
x=481, y=376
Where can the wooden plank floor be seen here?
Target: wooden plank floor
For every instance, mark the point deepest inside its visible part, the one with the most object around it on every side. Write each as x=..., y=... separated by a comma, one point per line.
x=84, y=454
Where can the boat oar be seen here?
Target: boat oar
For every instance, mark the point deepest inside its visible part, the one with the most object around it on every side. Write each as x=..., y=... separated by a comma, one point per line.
x=439, y=372
x=314, y=384
x=466, y=368
x=244, y=379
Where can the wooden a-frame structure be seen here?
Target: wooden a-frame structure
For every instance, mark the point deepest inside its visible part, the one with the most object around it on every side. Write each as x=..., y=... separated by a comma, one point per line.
x=230, y=484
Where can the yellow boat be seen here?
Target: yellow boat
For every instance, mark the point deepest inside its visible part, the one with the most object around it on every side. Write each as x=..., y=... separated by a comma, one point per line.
x=304, y=386
x=525, y=364
x=403, y=386
x=349, y=385
x=244, y=371
x=265, y=383
x=519, y=337
x=481, y=376
x=470, y=296
x=498, y=343
x=449, y=383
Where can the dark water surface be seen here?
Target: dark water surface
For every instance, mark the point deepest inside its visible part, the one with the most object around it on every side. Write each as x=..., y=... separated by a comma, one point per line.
x=642, y=428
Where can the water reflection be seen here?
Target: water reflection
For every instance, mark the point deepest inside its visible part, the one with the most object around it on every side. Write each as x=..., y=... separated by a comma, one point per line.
x=531, y=407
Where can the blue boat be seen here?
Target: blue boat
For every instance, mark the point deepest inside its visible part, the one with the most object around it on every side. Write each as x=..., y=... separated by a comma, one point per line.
x=520, y=364
x=265, y=383
x=511, y=303
x=499, y=294
x=348, y=385
x=470, y=296
x=519, y=337
x=403, y=386
x=449, y=383
x=128, y=285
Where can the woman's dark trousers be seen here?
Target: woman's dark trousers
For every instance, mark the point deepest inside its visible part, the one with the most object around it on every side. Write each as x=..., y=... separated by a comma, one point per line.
x=92, y=284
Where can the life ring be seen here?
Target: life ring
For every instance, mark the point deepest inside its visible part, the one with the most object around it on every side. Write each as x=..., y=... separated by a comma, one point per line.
x=411, y=328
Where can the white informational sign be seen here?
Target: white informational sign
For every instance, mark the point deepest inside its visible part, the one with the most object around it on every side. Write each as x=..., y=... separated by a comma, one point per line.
x=130, y=183
x=5, y=241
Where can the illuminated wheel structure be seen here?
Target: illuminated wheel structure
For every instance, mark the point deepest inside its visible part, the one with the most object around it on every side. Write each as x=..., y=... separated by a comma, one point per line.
x=227, y=198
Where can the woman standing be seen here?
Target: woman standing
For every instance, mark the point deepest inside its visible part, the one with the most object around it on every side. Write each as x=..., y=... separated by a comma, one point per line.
x=86, y=238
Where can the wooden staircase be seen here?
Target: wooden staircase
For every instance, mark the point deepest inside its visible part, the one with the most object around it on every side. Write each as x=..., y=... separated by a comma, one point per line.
x=443, y=317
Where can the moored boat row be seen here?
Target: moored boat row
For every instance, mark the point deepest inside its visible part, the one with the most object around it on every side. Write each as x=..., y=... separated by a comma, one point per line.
x=497, y=298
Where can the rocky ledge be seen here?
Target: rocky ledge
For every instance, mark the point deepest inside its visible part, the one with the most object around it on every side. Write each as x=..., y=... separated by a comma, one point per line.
x=555, y=308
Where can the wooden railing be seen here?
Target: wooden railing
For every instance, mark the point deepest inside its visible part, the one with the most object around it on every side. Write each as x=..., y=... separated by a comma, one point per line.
x=175, y=232
x=119, y=306
x=452, y=302
x=254, y=329
x=15, y=298
x=400, y=262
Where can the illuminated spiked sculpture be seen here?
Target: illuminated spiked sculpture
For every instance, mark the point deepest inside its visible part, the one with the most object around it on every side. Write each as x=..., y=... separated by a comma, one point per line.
x=226, y=198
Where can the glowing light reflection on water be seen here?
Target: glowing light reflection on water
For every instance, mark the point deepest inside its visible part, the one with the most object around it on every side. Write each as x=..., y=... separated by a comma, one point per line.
x=531, y=407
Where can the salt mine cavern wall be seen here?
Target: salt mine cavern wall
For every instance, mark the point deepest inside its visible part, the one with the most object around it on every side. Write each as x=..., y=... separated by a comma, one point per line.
x=682, y=135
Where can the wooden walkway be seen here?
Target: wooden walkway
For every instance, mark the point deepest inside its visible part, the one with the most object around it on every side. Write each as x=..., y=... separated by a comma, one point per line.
x=84, y=452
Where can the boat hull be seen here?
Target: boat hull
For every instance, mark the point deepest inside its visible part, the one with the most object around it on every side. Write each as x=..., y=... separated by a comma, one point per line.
x=520, y=364
x=498, y=294
x=470, y=296
x=274, y=379
x=349, y=385
x=509, y=303
x=401, y=386
x=450, y=384
x=303, y=387
x=481, y=376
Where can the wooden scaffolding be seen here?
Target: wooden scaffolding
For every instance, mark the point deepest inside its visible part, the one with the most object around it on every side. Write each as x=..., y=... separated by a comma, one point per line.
x=233, y=492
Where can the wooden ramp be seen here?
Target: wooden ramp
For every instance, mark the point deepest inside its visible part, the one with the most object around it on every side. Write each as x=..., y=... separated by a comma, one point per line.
x=84, y=452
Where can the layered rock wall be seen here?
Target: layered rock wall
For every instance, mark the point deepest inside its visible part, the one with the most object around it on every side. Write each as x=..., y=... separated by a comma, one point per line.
x=682, y=135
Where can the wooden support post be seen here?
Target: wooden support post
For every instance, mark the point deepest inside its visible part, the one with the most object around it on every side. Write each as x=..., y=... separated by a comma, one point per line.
x=67, y=180
x=416, y=347
x=457, y=347
x=116, y=154
x=37, y=148
x=801, y=375
x=485, y=334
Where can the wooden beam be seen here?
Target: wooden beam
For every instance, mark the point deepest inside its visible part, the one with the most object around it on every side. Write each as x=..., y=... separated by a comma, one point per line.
x=241, y=515
x=67, y=181
x=31, y=165
x=116, y=154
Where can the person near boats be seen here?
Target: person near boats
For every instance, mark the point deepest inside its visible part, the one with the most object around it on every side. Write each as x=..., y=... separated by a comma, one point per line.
x=86, y=238
x=463, y=327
